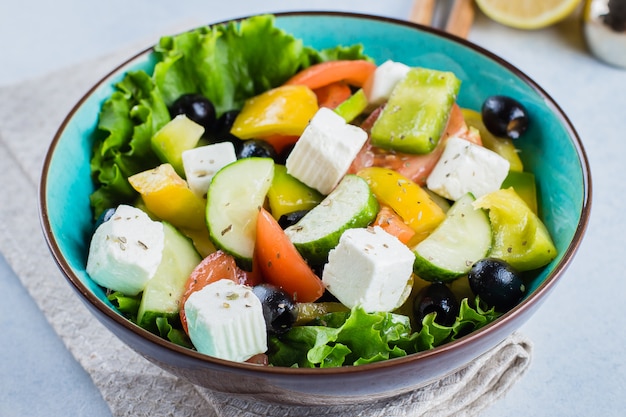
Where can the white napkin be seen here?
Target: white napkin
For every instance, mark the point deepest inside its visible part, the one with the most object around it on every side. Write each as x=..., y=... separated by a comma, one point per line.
x=30, y=114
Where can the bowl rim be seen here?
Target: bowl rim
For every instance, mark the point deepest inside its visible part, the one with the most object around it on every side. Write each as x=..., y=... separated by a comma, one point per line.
x=539, y=293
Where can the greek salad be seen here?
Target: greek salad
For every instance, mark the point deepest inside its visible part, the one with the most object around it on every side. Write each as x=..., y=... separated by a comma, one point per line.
x=259, y=200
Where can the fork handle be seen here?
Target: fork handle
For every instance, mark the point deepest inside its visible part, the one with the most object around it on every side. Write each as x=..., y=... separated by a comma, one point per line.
x=460, y=18
x=422, y=12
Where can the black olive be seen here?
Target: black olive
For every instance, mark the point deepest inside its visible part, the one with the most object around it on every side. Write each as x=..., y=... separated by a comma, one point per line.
x=255, y=148
x=284, y=154
x=104, y=217
x=504, y=116
x=279, y=309
x=221, y=129
x=436, y=297
x=237, y=143
x=225, y=122
x=196, y=107
x=289, y=219
x=497, y=283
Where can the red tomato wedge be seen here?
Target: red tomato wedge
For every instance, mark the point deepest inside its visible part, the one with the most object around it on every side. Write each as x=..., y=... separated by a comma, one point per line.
x=353, y=72
x=250, y=278
x=280, y=142
x=281, y=264
x=214, y=267
x=414, y=167
x=393, y=224
x=333, y=94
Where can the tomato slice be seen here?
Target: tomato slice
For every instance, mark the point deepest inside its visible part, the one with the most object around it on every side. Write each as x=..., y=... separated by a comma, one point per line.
x=393, y=224
x=280, y=142
x=281, y=264
x=332, y=94
x=214, y=267
x=414, y=167
x=353, y=72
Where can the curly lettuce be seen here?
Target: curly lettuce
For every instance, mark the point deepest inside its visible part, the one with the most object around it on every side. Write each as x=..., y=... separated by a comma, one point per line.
x=357, y=337
x=227, y=63
x=342, y=338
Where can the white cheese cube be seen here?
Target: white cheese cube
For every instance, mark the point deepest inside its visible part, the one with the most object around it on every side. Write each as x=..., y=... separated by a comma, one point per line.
x=225, y=320
x=371, y=268
x=465, y=167
x=381, y=83
x=325, y=151
x=125, y=251
x=203, y=162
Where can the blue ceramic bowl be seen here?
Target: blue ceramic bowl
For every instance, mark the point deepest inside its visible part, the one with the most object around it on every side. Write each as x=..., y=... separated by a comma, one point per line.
x=551, y=149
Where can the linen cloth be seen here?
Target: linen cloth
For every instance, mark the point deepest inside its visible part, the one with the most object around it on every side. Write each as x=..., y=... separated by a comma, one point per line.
x=30, y=114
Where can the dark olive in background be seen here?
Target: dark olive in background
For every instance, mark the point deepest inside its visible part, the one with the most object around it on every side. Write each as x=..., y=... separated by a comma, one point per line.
x=104, y=216
x=225, y=122
x=497, y=283
x=255, y=148
x=284, y=154
x=436, y=297
x=504, y=117
x=289, y=219
x=196, y=107
x=279, y=309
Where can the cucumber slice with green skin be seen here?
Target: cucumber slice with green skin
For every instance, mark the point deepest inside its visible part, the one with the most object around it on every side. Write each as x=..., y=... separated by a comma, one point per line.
x=235, y=195
x=162, y=295
x=464, y=237
x=417, y=112
x=350, y=204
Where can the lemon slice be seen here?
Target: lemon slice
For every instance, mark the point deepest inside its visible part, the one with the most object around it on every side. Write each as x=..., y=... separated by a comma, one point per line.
x=527, y=14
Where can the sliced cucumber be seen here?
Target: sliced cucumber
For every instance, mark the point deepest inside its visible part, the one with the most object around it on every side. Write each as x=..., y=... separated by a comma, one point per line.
x=464, y=237
x=350, y=204
x=233, y=200
x=162, y=294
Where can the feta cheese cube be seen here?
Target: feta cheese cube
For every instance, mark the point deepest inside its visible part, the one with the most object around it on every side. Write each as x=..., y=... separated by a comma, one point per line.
x=325, y=151
x=381, y=83
x=203, y=162
x=465, y=167
x=125, y=251
x=371, y=268
x=225, y=320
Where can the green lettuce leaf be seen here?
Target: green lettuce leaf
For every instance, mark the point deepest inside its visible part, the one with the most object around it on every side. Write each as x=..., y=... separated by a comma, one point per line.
x=469, y=319
x=127, y=305
x=231, y=63
x=357, y=337
x=128, y=118
x=227, y=63
x=167, y=328
x=173, y=332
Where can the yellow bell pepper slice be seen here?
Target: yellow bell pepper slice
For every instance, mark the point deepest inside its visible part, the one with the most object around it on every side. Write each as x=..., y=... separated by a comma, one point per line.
x=167, y=196
x=525, y=186
x=287, y=194
x=520, y=237
x=406, y=198
x=283, y=110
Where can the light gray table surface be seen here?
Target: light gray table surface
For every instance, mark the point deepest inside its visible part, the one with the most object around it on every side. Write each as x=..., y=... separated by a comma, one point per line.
x=579, y=365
